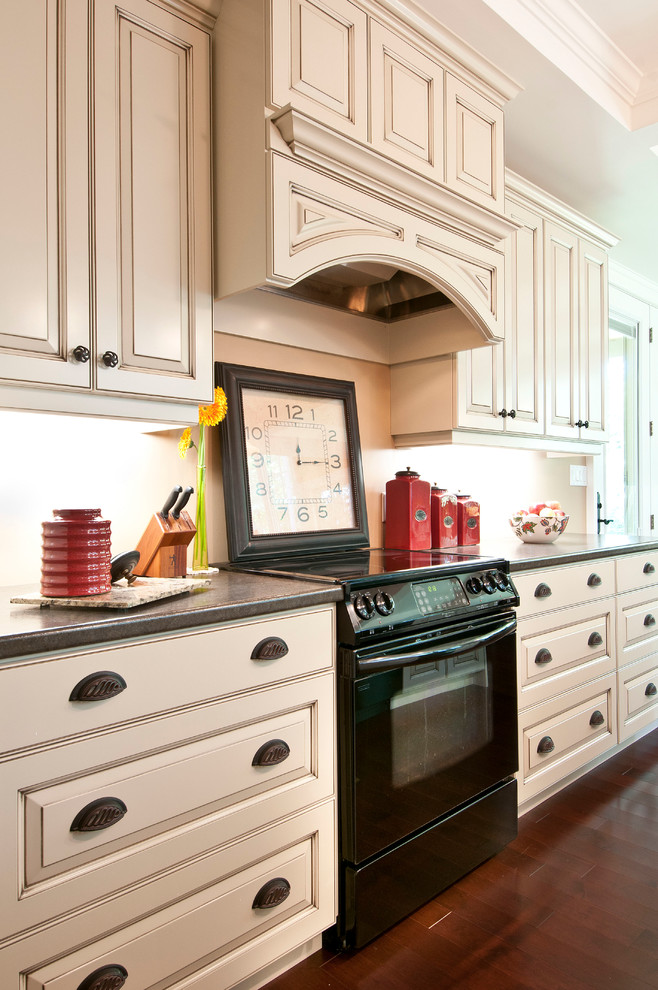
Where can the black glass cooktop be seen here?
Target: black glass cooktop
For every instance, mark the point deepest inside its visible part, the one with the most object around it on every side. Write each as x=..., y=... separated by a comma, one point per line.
x=350, y=568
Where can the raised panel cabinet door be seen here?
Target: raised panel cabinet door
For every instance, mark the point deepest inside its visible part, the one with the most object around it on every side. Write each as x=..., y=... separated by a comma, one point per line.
x=480, y=382
x=406, y=103
x=474, y=144
x=561, y=330
x=44, y=250
x=152, y=203
x=319, y=61
x=593, y=351
x=524, y=337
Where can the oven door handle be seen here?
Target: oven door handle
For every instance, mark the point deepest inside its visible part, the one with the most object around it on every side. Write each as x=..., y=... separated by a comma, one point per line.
x=408, y=659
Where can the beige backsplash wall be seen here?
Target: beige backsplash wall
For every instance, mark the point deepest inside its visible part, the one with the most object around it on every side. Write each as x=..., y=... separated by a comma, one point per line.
x=61, y=461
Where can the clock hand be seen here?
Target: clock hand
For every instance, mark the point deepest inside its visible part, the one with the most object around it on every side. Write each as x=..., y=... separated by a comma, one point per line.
x=299, y=454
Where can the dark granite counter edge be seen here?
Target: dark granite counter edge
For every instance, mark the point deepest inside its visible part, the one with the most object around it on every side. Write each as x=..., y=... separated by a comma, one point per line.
x=574, y=550
x=71, y=630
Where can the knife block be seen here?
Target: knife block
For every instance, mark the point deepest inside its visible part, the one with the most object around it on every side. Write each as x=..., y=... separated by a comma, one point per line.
x=163, y=546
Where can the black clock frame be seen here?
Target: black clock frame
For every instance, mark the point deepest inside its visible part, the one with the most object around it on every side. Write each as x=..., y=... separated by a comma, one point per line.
x=243, y=546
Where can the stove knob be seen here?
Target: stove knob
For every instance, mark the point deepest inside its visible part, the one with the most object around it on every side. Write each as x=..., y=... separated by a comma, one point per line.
x=502, y=581
x=384, y=603
x=474, y=586
x=364, y=606
x=489, y=582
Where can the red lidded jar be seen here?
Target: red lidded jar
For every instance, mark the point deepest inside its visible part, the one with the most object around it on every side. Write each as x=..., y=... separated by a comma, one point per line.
x=75, y=554
x=408, y=521
x=444, y=518
x=468, y=521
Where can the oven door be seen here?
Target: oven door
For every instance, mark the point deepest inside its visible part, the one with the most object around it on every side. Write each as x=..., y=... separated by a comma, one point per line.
x=427, y=724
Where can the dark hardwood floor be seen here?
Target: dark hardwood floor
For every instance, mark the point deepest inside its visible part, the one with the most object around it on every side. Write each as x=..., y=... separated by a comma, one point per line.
x=571, y=904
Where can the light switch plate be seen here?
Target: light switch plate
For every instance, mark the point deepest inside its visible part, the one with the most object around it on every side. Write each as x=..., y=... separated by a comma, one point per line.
x=578, y=475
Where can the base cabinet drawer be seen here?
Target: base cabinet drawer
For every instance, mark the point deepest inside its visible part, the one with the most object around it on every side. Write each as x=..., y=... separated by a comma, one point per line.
x=279, y=892
x=637, y=570
x=543, y=591
x=560, y=651
x=637, y=625
x=638, y=696
x=563, y=734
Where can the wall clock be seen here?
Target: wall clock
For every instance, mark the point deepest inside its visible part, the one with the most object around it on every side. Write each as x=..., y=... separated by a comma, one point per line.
x=291, y=463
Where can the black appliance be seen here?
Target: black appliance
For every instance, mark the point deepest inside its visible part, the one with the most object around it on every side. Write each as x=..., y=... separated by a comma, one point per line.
x=427, y=725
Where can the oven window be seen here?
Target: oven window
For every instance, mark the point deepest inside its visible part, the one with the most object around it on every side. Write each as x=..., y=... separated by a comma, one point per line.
x=427, y=739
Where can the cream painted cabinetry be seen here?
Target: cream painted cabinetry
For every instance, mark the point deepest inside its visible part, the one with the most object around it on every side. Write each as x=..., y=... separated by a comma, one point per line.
x=181, y=826
x=637, y=641
x=567, y=678
x=107, y=245
x=543, y=386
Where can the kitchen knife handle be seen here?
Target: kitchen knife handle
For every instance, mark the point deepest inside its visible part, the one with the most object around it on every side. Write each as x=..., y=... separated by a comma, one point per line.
x=171, y=501
x=182, y=502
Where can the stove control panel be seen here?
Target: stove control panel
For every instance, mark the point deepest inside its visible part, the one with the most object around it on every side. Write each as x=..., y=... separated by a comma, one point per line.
x=443, y=597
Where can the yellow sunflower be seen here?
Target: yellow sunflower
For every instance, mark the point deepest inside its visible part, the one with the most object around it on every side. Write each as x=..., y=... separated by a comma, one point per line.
x=214, y=414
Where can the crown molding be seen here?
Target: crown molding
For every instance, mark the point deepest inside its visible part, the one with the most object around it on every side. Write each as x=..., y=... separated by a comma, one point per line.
x=573, y=42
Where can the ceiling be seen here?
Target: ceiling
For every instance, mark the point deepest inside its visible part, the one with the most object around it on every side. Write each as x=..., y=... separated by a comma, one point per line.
x=585, y=122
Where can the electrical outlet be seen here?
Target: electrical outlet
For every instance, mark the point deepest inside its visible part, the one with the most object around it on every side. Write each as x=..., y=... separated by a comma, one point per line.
x=578, y=475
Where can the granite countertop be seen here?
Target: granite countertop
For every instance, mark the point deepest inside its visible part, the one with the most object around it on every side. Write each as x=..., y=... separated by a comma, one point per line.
x=567, y=549
x=30, y=629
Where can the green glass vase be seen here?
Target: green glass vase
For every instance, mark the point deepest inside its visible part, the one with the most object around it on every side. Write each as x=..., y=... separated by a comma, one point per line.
x=200, y=548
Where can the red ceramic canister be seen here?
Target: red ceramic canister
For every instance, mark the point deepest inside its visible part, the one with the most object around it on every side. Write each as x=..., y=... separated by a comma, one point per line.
x=75, y=554
x=468, y=521
x=444, y=518
x=408, y=522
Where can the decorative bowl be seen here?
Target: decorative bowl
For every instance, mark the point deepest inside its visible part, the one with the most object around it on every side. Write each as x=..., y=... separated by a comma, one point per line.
x=541, y=527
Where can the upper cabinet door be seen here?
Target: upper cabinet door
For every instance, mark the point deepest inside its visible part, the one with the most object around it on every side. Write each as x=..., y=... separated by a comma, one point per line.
x=474, y=145
x=44, y=267
x=593, y=309
x=152, y=203
x=319, y=62
x=561, y=267
x=524, y=358
x=406, y=103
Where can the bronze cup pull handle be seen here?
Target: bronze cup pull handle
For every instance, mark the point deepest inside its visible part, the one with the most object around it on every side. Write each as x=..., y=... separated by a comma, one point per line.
x=649, y=619
x=650, y=689
x=272, y=893
x=594, y=581
x=546, y=745
x=543, y=656
x=98, y=686
x=105, y=978
x=648, y=568
x=595, y=639
x=271, y=648
x=99, y=814
x=271, y=753
x=543, y=591
x=597, y=718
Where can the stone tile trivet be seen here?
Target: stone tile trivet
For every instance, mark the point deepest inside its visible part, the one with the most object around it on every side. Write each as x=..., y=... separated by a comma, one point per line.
x=121, y=595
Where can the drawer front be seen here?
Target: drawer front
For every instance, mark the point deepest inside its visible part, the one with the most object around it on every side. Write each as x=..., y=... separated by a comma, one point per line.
x=562, y=735
x=546, y=590
x=553, y=657
x=637, y=570
x=638, y=696
x=162, y=794
x=227, y=929
x=637, y=625
x=159, y=674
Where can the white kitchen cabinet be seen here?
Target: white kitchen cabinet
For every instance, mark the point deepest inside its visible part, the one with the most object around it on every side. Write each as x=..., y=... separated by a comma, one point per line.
x=114, y=235
x=146, y=828
x=44, y=187
x=576, y=329
x=475, y=164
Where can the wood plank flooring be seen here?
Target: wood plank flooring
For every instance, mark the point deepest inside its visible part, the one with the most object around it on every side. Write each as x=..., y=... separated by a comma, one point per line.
x=571, y=904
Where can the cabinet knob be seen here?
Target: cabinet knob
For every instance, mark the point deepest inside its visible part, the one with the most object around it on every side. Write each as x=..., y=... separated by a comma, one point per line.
x=98, y=815
x=271, y=648
x=650, y=689
x=649, y=619
x=503, y=413
x=543, y=591
x=546, y=745
x=595, y=639
x=594, y=581
x=99, y=686
x=583, y=424
x=105, y=978
x=543, y=656
x=272, y=893
x=110, y=359
x=271, y=753
x=512, y=414
x=597, y=718
x=81, y=354
x=648, y=568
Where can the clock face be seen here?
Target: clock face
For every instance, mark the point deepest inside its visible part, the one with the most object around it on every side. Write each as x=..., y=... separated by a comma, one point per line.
x=299, y=469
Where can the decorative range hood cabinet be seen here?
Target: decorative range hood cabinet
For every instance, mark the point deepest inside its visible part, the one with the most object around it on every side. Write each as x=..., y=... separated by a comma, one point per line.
x=359, y=163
